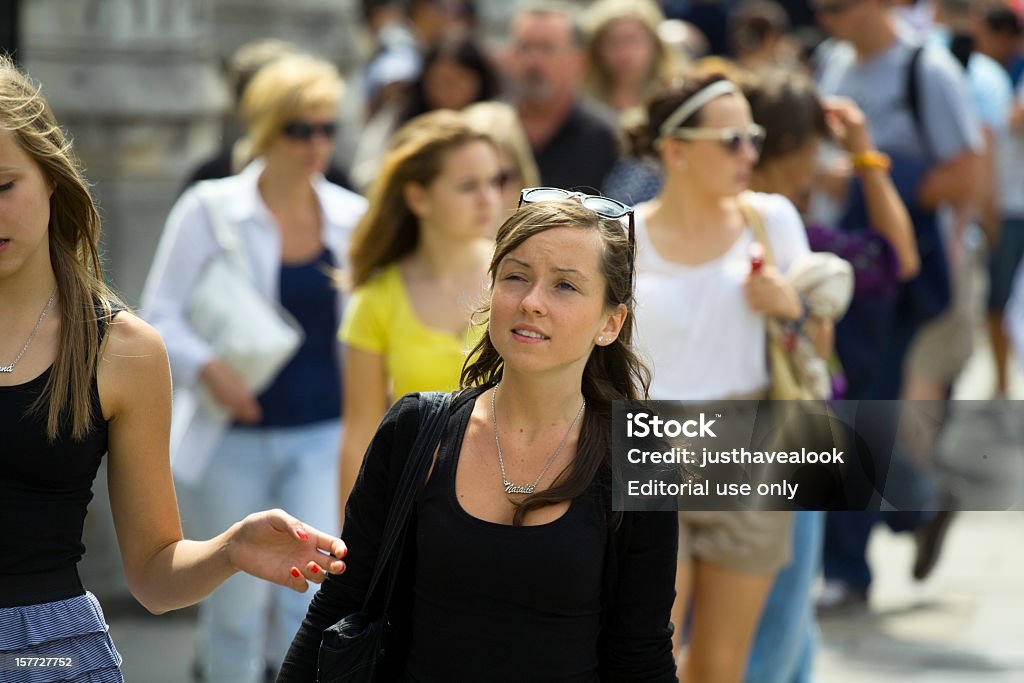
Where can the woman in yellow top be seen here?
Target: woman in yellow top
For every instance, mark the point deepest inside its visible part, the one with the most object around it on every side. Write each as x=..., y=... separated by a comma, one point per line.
x=419, y=261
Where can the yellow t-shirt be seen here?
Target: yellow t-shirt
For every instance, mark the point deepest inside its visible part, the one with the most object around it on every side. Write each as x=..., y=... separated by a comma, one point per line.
x=379, y=318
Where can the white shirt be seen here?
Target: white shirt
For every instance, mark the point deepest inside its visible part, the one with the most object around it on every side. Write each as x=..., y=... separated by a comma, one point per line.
x=694, y=328
x=186, y=246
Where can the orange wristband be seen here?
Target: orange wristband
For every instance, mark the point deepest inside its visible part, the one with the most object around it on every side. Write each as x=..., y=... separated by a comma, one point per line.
x=872, y=159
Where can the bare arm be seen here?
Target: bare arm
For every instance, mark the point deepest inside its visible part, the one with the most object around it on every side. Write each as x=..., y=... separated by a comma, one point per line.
x=366, y=401
x=822, y=333
x=955, y=181
x=886, y=211
x=1017, y=115
x=991, y=220
x=163, y=571
x=890, y=219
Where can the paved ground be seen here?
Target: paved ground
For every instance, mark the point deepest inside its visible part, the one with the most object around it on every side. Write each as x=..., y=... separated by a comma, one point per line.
x=963, y=625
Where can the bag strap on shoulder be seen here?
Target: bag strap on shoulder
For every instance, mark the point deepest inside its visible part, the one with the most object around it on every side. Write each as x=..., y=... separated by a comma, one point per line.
x=433, y=418
x=756, y=222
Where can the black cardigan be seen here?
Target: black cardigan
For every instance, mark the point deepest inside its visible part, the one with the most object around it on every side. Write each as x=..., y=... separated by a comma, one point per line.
x=639, y=577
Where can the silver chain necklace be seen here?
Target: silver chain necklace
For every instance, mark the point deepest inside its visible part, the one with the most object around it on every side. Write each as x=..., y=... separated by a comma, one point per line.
x=8, y=369
x=528, y=488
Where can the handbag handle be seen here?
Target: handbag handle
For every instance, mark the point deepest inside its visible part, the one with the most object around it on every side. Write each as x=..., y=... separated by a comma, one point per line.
x=433, y=408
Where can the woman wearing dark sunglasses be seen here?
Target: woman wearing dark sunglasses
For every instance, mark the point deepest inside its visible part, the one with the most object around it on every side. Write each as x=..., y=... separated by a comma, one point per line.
x=276, y=445
x=701, y=313
x=519, y=570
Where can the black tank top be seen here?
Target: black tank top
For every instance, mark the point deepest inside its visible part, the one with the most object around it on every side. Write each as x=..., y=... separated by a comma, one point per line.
x=44, y=491
x=498, y=603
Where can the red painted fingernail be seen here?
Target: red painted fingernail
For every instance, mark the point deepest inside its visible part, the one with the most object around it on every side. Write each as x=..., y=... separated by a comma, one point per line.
x=296, y=573
x=301, y=533
x=314, y=569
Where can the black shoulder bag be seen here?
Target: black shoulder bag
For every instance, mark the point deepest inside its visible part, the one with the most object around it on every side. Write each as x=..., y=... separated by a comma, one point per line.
x=354, y=649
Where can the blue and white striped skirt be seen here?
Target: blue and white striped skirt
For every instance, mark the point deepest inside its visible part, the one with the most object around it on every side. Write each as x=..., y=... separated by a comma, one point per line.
x=64, y=640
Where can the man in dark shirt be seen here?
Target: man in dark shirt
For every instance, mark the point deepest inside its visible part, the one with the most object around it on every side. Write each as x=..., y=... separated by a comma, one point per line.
x=573, y=140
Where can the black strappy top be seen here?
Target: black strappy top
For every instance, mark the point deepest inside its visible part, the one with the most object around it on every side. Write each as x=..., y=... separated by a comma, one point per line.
x=44, y=491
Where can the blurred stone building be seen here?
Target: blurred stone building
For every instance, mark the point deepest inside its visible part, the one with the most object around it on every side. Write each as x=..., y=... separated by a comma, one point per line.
x=139, y=85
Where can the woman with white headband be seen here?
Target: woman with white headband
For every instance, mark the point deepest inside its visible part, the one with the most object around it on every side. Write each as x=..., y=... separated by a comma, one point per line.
x=701, y=314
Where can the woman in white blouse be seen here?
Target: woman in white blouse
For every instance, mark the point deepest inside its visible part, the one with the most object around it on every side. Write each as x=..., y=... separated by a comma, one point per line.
x=701, y=311
x=246, y=449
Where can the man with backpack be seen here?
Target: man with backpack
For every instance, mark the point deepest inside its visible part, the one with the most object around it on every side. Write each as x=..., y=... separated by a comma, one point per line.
x=918, y=111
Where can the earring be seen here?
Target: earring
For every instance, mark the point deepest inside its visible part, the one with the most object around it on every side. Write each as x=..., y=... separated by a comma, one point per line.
x=600, y=340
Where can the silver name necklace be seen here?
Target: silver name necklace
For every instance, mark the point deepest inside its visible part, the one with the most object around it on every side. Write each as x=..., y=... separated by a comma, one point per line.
x=528, y=489
x=8, y=369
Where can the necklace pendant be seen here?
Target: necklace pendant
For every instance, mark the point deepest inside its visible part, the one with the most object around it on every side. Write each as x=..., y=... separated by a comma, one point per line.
x=7, y=368
x=512, y=488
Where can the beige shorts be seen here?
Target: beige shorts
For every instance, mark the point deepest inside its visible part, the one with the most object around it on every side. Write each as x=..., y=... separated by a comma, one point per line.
x=752, y=542
x=941, y=349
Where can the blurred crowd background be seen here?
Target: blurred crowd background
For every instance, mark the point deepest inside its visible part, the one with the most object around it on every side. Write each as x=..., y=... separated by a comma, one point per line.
x=150, y=89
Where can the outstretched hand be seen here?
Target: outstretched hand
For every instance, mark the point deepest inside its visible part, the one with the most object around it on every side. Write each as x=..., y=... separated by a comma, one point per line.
x=277, y=547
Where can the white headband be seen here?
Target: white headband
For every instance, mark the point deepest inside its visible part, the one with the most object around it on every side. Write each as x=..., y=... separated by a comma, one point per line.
x=695, y=102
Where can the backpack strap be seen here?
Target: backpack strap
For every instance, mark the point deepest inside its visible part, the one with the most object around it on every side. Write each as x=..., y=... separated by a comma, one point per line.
x=913, y=100
x=433, y=418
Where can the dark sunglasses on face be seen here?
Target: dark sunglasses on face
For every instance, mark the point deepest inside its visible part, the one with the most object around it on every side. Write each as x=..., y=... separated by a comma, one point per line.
x=730, y=138
x=303, y=130
x=606, y=207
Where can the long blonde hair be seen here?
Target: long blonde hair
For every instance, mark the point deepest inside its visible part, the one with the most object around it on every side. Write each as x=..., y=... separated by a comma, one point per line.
x=73, y=236
x=389, y=229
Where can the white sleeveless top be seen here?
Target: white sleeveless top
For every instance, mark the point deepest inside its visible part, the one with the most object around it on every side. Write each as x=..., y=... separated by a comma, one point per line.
x=694, y=328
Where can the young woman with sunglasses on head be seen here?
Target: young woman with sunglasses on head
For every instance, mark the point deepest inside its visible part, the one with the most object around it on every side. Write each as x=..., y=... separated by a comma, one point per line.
x=418, y=269
x=83, y=378
x=518, y=568
x=278, y=447
x=701, y=310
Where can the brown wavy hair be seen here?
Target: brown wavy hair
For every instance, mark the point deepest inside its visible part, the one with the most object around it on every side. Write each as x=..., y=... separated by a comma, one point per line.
x=389, y=229
x=787, y=104
x=612, y=373
x=643, y=138
x=73, y=236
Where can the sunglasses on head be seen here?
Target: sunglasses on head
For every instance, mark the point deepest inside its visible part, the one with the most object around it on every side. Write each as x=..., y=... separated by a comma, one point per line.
x=730, y=138
x=303, y=130
x=606, y=207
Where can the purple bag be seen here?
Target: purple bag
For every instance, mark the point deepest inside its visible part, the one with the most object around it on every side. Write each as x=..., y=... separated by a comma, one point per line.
x=875, y=267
